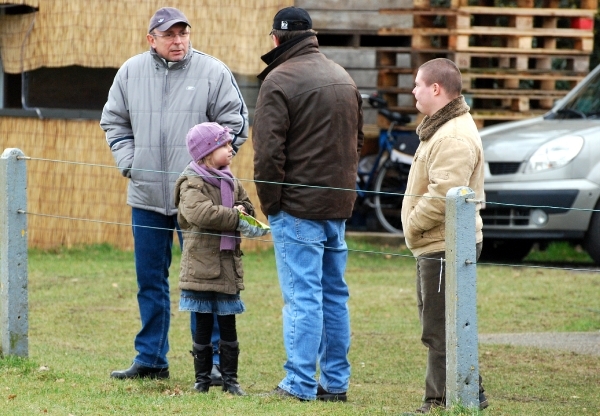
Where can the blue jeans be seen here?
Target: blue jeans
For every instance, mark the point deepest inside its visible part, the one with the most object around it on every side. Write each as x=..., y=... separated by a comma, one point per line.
x=153, y=242
x=311, y=260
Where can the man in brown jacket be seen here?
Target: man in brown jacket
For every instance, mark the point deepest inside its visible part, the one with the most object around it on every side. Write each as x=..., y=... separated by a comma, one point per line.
x=307, y=136
x=449, y=155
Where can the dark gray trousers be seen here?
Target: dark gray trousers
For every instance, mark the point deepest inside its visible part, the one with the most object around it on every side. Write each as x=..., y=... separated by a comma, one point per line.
x=431, y=302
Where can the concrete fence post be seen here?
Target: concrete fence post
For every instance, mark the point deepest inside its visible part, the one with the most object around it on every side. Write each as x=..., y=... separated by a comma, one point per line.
x=462, y=361
x=14, y=312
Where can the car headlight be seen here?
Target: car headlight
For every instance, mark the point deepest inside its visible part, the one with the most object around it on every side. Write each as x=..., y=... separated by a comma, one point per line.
x=555, y=154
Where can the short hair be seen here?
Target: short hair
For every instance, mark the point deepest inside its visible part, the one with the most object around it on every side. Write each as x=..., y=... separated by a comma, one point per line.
x=285, y=35
x=444, y=72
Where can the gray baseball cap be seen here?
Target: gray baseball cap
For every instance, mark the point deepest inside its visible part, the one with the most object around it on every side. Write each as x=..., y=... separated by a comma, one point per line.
x=166, y=17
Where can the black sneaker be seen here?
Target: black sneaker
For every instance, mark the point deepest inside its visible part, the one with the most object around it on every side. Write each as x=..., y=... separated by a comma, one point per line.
x=325, y=396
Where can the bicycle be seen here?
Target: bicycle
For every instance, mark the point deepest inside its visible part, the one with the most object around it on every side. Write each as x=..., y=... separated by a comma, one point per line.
x=381, y=180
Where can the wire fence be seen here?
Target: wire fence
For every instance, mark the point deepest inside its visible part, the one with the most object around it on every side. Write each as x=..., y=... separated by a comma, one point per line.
x=268, y=241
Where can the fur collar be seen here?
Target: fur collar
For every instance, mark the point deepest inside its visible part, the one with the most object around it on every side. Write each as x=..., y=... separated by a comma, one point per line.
x=430, y=125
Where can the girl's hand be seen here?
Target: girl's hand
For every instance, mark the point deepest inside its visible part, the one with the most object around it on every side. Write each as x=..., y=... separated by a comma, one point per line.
x=241, y=209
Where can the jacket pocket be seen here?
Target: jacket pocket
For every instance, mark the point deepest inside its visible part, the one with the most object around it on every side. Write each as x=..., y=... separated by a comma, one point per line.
x=437, y=233
x=202, y=263
x=237, y=262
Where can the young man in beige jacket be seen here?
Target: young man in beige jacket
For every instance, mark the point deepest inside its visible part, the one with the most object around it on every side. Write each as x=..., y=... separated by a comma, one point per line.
x=449, y=155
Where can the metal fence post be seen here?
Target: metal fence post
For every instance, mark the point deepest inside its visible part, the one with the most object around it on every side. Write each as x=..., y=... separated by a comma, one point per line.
x=462, y=361
x=14, y=321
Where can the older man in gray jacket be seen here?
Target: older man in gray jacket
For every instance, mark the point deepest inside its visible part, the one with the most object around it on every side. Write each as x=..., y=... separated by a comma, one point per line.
x=155, y=99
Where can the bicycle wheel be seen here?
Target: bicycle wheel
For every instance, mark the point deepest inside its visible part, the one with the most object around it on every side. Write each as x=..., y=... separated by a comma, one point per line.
x=390, y=186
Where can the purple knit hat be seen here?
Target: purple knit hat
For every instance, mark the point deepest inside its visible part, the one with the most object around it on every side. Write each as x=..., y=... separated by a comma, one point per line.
x=204, y=138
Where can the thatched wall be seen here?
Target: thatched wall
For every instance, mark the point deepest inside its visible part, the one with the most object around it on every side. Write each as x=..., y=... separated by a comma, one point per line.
x=78, y=190
x=104, y=33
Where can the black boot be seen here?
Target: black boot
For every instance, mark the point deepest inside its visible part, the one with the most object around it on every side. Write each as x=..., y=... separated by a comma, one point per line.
x=202, y=366
x=229, y=352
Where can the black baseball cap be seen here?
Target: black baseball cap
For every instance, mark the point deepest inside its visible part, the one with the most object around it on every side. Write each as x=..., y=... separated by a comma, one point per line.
x=292, y=18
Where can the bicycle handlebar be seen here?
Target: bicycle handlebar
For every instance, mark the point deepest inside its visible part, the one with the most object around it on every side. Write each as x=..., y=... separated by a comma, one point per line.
x=394, y=116
x=378, y=102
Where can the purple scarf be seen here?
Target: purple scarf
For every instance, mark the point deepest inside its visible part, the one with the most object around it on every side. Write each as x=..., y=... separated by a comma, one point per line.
x=222, y=179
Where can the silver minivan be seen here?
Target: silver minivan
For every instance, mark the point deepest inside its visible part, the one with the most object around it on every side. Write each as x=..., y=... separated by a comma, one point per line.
x=542, y=180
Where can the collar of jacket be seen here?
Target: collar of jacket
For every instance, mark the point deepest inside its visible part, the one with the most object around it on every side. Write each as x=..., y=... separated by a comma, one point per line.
x=162, y=62
x=286, y=50
x=430, y=125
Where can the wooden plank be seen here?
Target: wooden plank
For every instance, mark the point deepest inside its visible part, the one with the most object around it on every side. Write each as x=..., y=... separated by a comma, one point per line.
x=589, y=4
x=523, y=51
x=504, y=115
x=344, y=5
x=434, y=11
x=357, y=20
x=512, y=31
x=533, y=74
x=364, y=78
x=487, y=93
x=525, y=11
x=422, y=31
x=396, y=70
x=351, y=57
x=508, y=53
x=514, y=93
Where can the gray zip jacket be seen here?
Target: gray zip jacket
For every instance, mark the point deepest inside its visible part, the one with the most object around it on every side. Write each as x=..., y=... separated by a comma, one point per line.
x=151, y=106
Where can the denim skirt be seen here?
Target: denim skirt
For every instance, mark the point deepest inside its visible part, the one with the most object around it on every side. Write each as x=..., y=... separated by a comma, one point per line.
x=211, y=302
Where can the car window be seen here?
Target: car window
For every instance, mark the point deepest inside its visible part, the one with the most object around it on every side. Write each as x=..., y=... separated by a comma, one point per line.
x=586, y=103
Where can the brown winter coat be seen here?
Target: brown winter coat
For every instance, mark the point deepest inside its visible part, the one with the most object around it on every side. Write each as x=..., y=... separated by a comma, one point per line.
x=204, y=267
x=307, y=130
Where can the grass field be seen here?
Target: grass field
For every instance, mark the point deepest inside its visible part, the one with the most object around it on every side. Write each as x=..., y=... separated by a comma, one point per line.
x=83, y=317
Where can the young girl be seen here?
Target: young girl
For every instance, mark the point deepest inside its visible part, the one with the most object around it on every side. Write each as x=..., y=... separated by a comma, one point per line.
x=210, y=200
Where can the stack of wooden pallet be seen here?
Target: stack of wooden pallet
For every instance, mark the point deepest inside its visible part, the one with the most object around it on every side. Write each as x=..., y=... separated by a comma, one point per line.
x=348, y=32
x=516, y=61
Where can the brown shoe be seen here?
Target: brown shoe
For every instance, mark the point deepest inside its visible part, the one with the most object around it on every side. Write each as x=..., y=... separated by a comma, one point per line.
x=483, y=401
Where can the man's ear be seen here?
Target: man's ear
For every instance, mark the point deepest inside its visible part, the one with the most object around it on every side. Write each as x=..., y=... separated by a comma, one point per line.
x=151, y=40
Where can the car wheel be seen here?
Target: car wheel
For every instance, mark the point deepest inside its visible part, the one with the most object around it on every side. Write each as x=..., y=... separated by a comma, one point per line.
x=591, y=242
x=505, y=250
